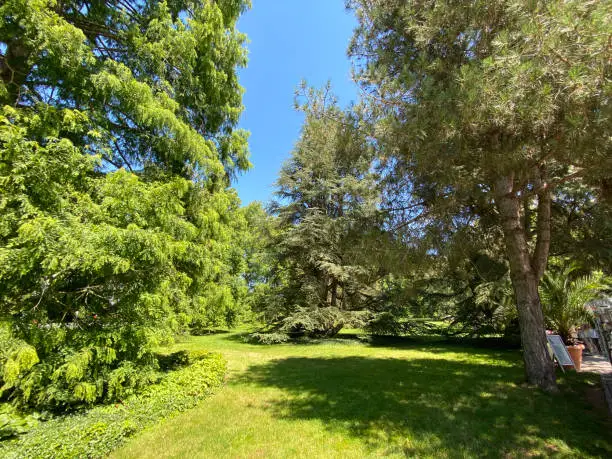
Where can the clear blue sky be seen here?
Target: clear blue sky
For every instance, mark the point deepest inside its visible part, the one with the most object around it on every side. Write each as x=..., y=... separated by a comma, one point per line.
x=290, y=40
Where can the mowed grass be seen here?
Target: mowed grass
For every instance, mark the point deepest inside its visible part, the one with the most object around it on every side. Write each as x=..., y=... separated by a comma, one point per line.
x=348, y=399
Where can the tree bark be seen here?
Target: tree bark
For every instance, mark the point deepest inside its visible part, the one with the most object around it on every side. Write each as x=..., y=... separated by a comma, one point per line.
x=334, y=293
x=539, y=260
x=538, y=364
x=14, y=70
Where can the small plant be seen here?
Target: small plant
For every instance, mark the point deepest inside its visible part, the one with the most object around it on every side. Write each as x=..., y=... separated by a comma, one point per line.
x=564, y=298
x=13, y=423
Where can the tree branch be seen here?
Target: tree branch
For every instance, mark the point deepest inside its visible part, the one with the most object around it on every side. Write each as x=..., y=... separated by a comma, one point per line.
x=539, y=257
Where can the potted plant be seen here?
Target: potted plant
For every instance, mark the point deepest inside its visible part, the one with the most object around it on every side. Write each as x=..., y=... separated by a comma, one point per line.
x=564, y=298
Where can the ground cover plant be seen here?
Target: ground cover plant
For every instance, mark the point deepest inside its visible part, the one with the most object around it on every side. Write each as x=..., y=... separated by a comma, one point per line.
x=396, y=398
x=96, y=432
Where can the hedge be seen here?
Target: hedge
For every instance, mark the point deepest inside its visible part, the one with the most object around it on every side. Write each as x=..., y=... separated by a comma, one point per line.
x=100, y=430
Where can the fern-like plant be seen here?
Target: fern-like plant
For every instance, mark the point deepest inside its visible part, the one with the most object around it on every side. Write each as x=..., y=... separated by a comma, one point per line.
x=564, y=298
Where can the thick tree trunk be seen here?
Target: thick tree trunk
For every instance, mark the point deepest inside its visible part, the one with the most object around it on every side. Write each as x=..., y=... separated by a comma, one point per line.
x=525, y=279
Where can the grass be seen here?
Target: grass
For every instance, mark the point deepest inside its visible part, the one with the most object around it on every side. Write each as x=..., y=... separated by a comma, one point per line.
x=351, y=399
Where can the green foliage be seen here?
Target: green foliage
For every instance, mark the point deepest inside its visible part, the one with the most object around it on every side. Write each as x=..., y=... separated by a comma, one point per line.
x=582, y=228
x=565, y=298
x=96, y=432
x=117, y=229
x=481, y=82
x=390, y=324
x=13, y=423
x=321, y=275
x=483, y=111
x=72, y=367
x=173, y=360
x=158, y=78
x=464, y=94
x=321, y=321
x=482, y=296
x=267, y=338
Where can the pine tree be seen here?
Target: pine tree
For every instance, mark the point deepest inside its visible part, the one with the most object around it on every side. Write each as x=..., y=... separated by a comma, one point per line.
x=495, y=103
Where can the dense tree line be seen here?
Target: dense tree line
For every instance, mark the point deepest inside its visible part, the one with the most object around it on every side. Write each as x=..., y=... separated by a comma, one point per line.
x=480, y=152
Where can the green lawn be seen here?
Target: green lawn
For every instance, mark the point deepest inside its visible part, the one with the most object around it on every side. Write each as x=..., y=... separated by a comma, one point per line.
x=349, y=399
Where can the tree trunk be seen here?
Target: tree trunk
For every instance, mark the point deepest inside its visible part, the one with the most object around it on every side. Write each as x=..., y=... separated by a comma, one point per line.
x=334, y=293
x=539, y=260
x=14, y=70
x=538, y=364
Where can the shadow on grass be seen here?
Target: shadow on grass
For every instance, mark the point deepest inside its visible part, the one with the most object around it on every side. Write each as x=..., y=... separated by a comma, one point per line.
x=436, y=407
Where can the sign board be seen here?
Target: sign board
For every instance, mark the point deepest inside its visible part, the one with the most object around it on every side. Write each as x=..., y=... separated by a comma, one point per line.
x=559, y=350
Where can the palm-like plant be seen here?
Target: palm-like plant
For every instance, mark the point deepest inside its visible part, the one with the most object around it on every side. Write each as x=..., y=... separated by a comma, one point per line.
x=564, y=298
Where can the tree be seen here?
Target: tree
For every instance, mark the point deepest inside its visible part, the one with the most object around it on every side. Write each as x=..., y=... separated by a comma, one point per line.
x=581, y=227
x=117, y=229
x=327, y=211
x=489, y=106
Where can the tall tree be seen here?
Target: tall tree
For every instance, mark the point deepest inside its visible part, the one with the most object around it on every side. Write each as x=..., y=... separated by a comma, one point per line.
x=117, y=141
x=327, y=210
x=157, y=79
x=492, y=103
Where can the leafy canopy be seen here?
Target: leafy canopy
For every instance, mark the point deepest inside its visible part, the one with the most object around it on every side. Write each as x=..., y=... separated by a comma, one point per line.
x=117, y=229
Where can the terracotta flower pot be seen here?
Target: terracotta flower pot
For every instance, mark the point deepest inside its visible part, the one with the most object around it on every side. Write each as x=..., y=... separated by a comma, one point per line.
x=575, y=353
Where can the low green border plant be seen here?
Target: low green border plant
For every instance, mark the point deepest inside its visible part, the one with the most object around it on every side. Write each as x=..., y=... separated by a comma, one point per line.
x=96, y=432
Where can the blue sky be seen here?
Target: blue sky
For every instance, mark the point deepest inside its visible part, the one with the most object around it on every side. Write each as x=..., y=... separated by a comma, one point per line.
x=290, y=40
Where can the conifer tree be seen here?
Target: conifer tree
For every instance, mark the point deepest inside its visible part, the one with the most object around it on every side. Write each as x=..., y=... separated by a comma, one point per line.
x=117, y=229
x=327, y=211
x=492, y=105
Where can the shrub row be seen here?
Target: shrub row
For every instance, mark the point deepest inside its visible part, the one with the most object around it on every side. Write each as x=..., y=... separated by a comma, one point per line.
x=98, y=431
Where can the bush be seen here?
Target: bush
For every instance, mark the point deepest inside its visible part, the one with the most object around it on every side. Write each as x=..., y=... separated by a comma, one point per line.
x=57, y=368
x=388, y=324
x=173, y=361
x=98, y=431
x=321, y=322
x=267, y=338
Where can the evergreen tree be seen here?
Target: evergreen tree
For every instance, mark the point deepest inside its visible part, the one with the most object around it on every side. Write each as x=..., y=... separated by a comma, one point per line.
x=490, y=105
x=327, y=212
x=117, y=140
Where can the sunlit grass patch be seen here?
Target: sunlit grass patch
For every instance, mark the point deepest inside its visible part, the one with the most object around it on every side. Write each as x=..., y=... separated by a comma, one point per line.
x=352, y=399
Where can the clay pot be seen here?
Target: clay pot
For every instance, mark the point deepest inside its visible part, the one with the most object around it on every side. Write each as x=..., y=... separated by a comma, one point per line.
x=575, y=353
